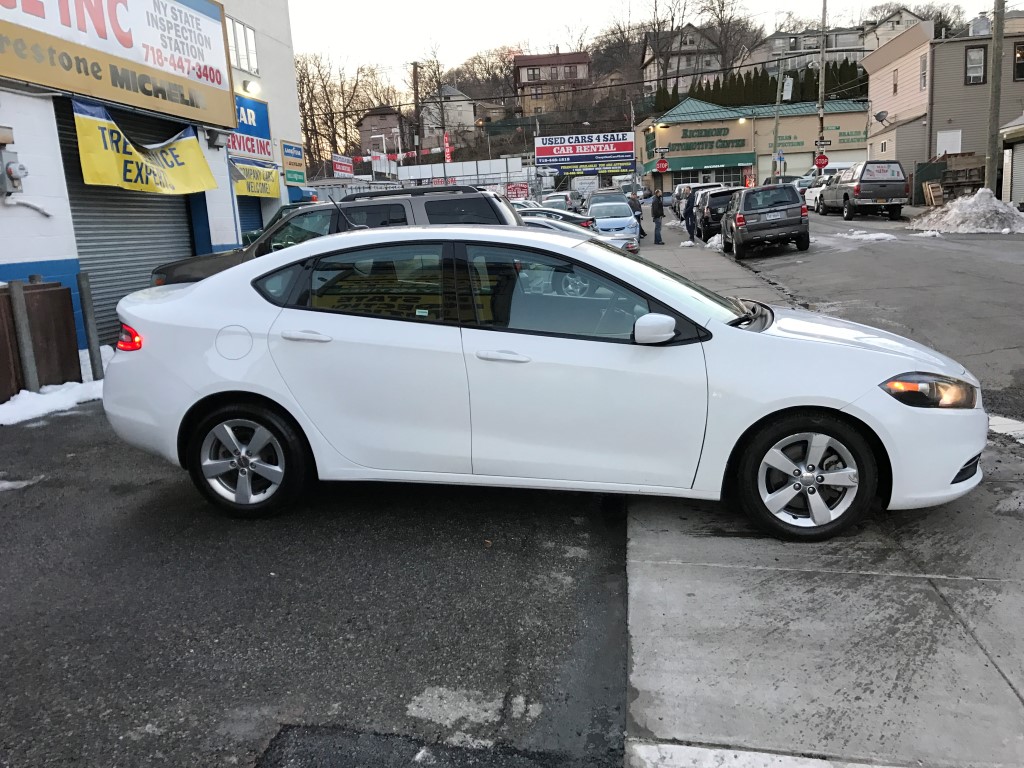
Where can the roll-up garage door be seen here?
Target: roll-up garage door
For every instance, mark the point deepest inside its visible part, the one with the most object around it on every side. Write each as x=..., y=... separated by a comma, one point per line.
x=121, y=235
x=1017, y=184
x=250, y=213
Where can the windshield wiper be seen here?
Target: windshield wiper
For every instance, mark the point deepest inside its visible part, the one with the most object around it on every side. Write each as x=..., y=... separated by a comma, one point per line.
x=749, y=315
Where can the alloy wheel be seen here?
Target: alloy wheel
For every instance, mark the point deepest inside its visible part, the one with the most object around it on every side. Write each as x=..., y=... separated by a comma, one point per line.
x=242, y=461
x=574, y=285
x=808, y=479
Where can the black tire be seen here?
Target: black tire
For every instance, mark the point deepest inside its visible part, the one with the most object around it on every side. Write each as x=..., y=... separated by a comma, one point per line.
x=803, y=242
x=895, y=213
x=771, y=434
x=294, y=462
x=739, y=250
x=726, y=243
x=848, y=210
x=699, y=234
x=820, y=208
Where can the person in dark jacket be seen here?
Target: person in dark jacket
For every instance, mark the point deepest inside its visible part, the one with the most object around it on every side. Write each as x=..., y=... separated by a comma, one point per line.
x=638, y=211
x=657, y=213
x=689, y=215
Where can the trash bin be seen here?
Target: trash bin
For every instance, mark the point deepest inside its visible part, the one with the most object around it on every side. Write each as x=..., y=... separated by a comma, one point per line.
x=51, y=319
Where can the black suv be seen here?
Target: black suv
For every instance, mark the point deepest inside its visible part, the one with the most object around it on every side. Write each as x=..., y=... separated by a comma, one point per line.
x=709, y=209
x=386, y=208
x=768, y=215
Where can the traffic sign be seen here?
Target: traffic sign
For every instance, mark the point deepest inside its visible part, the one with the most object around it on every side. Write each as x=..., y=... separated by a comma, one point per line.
x=661, y=166
x=661, y=150
x=821, y=161
x=823, y=143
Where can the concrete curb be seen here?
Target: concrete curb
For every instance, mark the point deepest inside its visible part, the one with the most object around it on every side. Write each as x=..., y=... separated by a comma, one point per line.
x=647, y=755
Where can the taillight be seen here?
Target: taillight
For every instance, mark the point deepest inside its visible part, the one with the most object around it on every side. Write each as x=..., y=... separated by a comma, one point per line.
x=803, y=210
x=856, y=190
x=129, y=340
x=906, y=189
x=588, y=222
x=741, y=220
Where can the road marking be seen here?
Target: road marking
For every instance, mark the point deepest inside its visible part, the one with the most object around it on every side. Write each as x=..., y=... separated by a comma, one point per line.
x=641, y=755
x=1009, y=427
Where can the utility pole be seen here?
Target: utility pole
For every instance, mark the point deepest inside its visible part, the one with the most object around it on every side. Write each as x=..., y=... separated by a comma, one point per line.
x=775, y=132
x=416, y=110
x=821, y=84
x=993, y=155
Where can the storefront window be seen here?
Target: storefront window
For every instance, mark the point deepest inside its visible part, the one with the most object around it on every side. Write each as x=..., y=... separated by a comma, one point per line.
x=730, y=177
x=685, y=177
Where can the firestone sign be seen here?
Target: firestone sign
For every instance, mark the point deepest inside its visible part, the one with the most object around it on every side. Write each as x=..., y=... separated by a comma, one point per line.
x=587, y=153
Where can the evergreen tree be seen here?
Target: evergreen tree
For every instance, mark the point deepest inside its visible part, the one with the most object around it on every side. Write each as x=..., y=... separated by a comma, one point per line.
x=748, y=89
x=716, y=91
x=675, y=93
x=662, y=100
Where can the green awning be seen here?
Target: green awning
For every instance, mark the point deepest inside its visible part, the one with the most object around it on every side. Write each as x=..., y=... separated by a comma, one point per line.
x=703, y=162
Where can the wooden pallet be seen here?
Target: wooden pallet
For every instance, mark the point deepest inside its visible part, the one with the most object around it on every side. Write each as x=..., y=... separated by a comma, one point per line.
x=933, y=193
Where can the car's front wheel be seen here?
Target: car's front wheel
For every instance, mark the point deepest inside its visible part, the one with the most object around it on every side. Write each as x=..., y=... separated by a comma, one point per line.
x=247, y=460
x=820, y=207
x=807, y=476
x=726, y=243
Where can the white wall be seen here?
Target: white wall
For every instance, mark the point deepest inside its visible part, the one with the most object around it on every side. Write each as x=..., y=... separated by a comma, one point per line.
x=27, y=235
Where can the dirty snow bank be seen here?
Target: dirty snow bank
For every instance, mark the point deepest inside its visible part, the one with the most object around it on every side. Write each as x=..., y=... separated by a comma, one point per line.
x=980, y=213
x=860, y=234
x=56, y=397
x=715, y=242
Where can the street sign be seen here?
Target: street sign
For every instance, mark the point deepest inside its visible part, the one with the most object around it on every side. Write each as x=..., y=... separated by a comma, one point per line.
x=661, y=166
x=823, y=143
x=661, y=150
x=821, y=161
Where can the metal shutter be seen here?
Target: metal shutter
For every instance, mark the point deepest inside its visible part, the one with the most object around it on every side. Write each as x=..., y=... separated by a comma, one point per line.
x=1017, y=182
x=121, y=235
x=250, y=213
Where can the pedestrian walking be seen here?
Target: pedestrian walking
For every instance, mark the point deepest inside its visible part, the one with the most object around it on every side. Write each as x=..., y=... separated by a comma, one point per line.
x=689, y=215
x=657, y=213
x=638, y=211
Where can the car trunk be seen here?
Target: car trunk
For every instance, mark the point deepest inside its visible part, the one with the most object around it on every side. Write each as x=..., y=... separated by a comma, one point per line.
x=784, y=211
x=881, y=182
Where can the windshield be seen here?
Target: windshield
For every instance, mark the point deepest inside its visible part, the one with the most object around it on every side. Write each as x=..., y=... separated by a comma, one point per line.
x=690, y=298
x=609, y=210
x=555, y=202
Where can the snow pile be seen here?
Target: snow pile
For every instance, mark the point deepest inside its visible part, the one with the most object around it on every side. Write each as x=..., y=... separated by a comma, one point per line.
x=56, y=397
x=673, y=223
x=715, y=242
x=928, y=233
x=15, y=485
x=980, y=213
x=687, y=244
x=860, y=234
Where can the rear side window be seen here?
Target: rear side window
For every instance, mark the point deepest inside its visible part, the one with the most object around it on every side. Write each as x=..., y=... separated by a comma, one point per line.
x=384, y=215
x=461, y=210
x=276, y=286
x=879, y=171
x=771, y=198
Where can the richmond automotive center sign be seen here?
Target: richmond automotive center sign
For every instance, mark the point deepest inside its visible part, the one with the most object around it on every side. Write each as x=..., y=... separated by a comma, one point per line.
x=586, y=153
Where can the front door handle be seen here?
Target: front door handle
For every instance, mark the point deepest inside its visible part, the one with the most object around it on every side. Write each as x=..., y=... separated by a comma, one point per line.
x=305, y=336
x=503, y=356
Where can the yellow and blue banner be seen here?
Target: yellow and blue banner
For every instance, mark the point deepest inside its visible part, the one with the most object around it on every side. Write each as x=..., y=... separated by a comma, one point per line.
x=252, y=178
x=175, y=167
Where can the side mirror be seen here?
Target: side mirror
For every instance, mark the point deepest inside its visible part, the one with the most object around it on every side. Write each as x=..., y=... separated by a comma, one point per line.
x=654, y=329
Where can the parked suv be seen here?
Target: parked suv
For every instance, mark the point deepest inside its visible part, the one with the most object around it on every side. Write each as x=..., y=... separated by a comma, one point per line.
x=709, y=208
x=874, y=186
x=385, y=208
x=766, y=215
x=679, y=199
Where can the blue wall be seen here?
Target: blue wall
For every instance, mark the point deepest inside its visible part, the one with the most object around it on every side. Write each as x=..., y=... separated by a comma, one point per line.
x=64, y=271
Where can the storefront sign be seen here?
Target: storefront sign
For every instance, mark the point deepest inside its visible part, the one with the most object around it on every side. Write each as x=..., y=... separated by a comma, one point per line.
x=167, y=56
x=175, y=167
x=342, y=167
x=586, y=153
x=293, y=161
x=517, y=190
x=255, y=179
x=252, y=136
x=705, y=162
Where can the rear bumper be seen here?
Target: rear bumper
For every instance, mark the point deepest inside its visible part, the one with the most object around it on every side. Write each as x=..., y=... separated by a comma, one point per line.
x=787, y=234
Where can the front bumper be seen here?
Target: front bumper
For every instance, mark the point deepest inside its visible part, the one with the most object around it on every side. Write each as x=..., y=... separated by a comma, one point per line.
x=928, y=448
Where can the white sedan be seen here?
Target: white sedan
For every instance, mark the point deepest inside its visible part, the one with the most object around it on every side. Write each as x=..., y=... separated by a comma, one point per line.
x=438, y=354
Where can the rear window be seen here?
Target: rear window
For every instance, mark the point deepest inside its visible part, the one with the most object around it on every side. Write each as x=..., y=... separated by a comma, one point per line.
x=461, y=210
x=882, y=171
x=771, y=197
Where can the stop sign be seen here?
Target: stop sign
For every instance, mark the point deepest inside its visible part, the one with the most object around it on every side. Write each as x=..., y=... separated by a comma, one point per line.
x=821, y=161
x=661, y=166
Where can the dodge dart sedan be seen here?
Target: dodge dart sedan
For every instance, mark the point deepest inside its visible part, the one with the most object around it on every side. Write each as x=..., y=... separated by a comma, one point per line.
x=439, y=355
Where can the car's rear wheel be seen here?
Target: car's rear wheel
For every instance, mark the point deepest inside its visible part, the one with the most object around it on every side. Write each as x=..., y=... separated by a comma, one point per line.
x=247, y=460
x=807, y=476
x=803, y=242
x=848, y=210
x=895, y=213
x=820, y=207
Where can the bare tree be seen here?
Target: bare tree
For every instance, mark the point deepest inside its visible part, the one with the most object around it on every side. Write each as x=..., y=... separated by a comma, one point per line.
x=728, y=29
x=792, y=22
x=487, y=76
x=661, y=36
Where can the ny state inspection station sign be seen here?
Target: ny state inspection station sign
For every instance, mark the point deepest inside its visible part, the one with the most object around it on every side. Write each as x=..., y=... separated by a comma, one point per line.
x=166, y=56
x=586, y=153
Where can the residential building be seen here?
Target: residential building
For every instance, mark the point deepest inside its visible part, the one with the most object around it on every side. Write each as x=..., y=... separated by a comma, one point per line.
x=454, y=113
x=1012, y=136
x=551, y=82
x=875, y=34
x=942, y=83
x=677, y=59
x=93, y=205
x=707, y=143
x=798, y=50
x=379, y=129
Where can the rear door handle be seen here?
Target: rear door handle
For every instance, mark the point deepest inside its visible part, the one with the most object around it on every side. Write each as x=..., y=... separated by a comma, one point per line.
x=305, y=336
x=503, y=356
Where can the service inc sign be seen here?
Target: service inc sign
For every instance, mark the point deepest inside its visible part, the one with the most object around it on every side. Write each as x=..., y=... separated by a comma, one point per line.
x=586, y=153
x=252, y=136
x=167, y=56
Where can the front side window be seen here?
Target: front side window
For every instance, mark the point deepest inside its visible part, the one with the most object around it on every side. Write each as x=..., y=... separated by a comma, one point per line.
x=1018, y=61
x=520, y=290
x=386, y=215
x=242, y=46
x=299, y=229
x=974, y=65
x=395, y=282
x=461, y=210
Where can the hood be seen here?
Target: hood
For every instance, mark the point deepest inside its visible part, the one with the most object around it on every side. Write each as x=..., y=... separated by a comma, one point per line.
x=802, y=325
x=196, y=268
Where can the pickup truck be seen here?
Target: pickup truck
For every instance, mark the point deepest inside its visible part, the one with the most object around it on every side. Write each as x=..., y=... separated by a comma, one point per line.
x=874, y=186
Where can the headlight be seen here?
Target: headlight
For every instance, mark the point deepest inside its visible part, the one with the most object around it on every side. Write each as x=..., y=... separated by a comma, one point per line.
x=157, y=279
x=928, y=390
